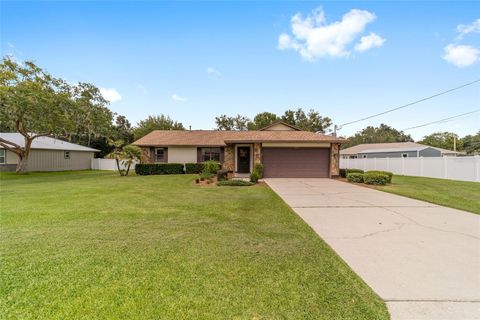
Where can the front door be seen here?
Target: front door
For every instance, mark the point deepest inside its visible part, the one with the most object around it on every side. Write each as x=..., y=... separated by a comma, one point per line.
x=243, y=158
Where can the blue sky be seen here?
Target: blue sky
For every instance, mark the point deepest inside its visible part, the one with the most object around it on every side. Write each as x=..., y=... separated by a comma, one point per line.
x=196, y=60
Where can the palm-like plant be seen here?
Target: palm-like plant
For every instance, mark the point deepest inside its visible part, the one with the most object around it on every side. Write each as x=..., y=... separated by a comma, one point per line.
x=124, y=155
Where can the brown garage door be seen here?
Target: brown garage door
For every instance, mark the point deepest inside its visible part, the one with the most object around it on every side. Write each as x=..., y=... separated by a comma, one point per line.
x=296, y=162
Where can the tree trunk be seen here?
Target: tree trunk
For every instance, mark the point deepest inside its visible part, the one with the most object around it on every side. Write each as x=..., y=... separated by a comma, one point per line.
x=22, y=165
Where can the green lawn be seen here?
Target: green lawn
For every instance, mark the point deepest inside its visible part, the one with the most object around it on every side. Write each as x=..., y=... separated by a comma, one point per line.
x=450, y=193
x=94, y=245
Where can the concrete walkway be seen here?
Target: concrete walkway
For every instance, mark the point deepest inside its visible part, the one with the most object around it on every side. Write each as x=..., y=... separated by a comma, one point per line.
x=422, y=259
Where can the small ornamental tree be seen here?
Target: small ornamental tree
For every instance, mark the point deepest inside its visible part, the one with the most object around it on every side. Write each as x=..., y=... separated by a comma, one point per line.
x=124, y=155
x=35, y=104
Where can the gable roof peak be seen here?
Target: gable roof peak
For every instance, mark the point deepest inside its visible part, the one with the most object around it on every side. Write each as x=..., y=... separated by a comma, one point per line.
x=282, y=123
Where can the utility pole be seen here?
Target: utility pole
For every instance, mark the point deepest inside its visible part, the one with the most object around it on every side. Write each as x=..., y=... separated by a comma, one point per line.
x=335, y=129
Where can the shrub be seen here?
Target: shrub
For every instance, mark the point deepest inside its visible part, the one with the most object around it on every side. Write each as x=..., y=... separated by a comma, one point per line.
x=259, y=169
x=205, y=175
x=353, y=171
x=211, y=167
x=222, y=175
x=254, y=176
x=193, y=168
x=158, y=168
x=234, y=183
x=386, y=173
x=343, y=173
x=375, y=178
x=355, y=177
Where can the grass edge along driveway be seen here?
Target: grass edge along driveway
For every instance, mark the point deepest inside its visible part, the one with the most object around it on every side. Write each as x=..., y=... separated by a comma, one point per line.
x=96, y=245
x=463, y=195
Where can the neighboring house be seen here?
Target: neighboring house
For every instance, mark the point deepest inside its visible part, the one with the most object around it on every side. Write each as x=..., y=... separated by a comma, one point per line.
x=47, y=154
x=395, y=150
x=284, y=150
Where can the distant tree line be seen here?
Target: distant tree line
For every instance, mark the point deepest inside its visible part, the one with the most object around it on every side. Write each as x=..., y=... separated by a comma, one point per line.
x=470, y=144
x=308, y=121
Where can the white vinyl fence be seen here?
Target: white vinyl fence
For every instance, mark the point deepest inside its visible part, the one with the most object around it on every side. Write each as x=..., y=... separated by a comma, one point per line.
x=108, y=164
x=453, y=168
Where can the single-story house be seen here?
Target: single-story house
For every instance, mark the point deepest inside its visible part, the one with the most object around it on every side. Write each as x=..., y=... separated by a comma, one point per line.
x=395, y=150
x=284, y=150
x=47, y=154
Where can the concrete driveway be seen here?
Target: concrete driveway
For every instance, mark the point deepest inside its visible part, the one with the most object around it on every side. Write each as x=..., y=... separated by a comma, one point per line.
x=422, y=259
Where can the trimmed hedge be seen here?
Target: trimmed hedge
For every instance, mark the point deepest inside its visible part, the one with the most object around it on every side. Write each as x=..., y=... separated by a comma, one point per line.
x=234, y=183
x=353, y=171
x=386, y=173
x=355, y=177
x=193, y=167
x=375, y=178
x=343, y=173
x=144, y=169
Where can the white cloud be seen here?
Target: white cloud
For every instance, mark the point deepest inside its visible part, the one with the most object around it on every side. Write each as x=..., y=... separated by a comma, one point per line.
x=178, y=98
x=464, y=29
x=213, y=72
x=111, y=94
x=461, y=55
x=314, y=38
x=373, y=40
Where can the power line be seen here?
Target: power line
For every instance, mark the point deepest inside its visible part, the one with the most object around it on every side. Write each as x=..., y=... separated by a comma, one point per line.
x=409, y=104
x=442, y=120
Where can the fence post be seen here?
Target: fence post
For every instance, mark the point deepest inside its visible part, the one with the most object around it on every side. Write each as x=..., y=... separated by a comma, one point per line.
x=421, y=166
x=477, y=166
x=445, y=169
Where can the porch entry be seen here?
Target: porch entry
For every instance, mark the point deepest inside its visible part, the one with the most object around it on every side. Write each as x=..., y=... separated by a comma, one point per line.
x=243, y=159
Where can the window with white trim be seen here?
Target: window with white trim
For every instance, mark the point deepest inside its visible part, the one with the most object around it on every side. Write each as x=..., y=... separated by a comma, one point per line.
x=404, y=155
x=159, y=154
x=210, y=154
x=3, y=157
x=66, y=154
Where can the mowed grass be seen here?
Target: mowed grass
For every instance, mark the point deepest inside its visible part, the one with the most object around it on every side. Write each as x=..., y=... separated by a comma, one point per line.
x=462, y=195
x=93, y=245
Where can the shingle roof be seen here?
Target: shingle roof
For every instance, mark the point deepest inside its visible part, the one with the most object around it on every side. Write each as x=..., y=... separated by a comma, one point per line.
x=390, y=147
x=46, y=143
x=220, y=138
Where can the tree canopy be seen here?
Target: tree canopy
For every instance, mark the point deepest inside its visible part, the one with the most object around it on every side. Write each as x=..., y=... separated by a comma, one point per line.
x=471, y=143
x=238, y=122
x=381, y=134
x=160, y=122
x=34, y=104
x=443, y=140
x=310, y=121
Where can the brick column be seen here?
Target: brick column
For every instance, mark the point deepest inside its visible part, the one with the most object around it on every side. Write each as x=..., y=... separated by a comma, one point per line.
x=334, y=160
x=257, y=153
x=229, y=158
x=147, y=155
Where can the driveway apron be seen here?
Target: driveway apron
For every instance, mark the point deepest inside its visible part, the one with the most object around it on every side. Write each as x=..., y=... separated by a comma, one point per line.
x=422, y=259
